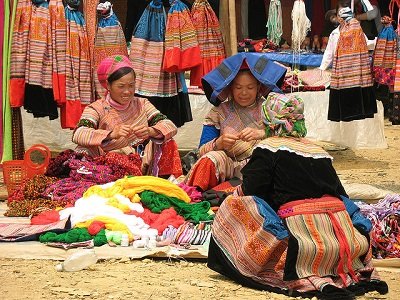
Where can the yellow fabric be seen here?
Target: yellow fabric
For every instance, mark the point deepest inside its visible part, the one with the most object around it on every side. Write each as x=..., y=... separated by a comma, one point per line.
x=131, y=186
x=110, y=223
x=116, y=203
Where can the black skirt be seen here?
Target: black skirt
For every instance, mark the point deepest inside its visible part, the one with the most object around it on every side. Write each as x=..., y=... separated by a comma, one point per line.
x=352, y=104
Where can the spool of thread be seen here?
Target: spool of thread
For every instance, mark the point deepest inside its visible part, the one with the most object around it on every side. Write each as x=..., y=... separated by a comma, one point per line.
x=139, y=244
x=152, y=244
x=124, y=240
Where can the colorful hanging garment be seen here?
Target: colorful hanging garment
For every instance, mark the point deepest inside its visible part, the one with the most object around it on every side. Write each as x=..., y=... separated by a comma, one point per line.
x=78, y=93
x=39, y=98
x=147, y=53
x=210, y=40
x=351, y=96
x=274, y=24
x=182, y=50
x=395, y=4
x=59, y=43
x=385, y=54
x=19, y=50
x=110, y=40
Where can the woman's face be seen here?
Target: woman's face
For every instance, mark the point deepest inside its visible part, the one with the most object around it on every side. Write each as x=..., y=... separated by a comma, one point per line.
x=244, y=88
x=123, y=89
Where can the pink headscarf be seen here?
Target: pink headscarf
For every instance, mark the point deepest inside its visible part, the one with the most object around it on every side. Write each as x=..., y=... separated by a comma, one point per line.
x=109, y=65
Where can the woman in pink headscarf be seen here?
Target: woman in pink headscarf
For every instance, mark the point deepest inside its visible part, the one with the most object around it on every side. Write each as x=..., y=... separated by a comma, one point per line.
x=127, y=124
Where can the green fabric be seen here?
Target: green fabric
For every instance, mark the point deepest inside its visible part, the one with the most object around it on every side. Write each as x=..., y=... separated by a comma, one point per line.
x=100, y=239
x=157, y=118
x=73, y=236
x=195, y=212
x=7, y=128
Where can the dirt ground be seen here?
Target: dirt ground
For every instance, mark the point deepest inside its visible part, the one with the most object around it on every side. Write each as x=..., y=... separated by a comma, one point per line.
x=180, y=279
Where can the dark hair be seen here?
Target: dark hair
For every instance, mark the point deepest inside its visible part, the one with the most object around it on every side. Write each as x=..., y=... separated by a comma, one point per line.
x=343, y=3
x=120, y=73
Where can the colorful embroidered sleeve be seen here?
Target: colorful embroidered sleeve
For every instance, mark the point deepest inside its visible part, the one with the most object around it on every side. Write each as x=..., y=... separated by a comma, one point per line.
x=86, y=133
x=158, y=121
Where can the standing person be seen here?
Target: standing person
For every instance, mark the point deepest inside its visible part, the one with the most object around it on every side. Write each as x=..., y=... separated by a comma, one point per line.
x=233, y=127
x=124, y=123
x=369, y=16
x=290, y=228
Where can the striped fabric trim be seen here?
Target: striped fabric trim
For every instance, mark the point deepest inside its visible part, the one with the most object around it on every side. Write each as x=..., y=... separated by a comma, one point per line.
x=147, y=58
x=59, y=43
x=256, y=253
x=241, y=231
x=182, y=50
x=210, y=40
x=17, y=232
x=328, y=243
x=20, y=38
x=302, y=147
x=351, y=64
x=110, y=40
x=39, y=60
x=78, y=69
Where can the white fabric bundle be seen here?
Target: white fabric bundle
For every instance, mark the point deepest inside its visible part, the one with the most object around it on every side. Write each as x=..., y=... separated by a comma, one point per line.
x=301, y=24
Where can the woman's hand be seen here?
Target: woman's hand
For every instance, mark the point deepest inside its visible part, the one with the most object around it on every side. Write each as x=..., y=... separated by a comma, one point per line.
x=250, y=134
x=141, y=132
x=120, y=131
x=226, y=141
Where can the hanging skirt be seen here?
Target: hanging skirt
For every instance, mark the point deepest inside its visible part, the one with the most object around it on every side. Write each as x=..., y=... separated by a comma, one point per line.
x=110, y=40
x=59, y=44
x=210, y=40
x=182, y=50
x=147, y=54
x=311, y=243
x=385, y=56
x=19, y=51
x=78, y=80
x=39, y=98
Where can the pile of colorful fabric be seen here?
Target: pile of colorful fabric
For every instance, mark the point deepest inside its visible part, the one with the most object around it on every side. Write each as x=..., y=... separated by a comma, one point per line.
x=385, y=218
x=140, y=206
x=69, y=175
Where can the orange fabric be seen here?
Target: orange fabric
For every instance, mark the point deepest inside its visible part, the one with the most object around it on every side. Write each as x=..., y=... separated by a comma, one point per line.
x=170, y=161
x=203, y=175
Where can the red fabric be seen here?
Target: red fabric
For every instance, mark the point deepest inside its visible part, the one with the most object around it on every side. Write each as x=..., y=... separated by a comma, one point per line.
x=160, y=221
x=71, y=112
x=244, y=65
x=170, y=161
x=318, y=16
x=46, y=217
x=17, y=92
x=203, y=175
x=177, y=60
x=95, y=227
x=59, y=88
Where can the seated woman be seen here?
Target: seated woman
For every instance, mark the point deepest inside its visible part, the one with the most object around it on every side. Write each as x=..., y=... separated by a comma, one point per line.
x=290, y=228
x=127, y=124
x=233, y=127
